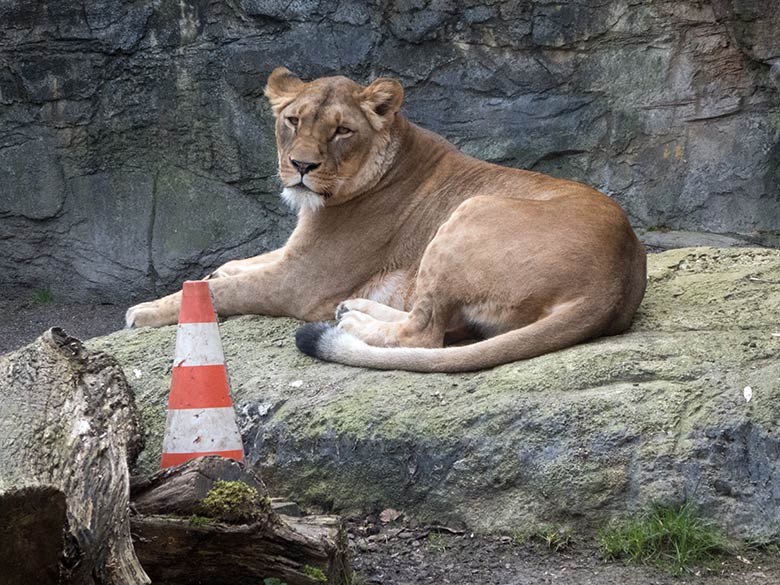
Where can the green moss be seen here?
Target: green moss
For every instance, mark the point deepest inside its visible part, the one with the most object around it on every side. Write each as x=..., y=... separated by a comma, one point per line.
x=234, y=502
x=314, y=574
x=200, y=520
x=663, y=228
x=43, y=296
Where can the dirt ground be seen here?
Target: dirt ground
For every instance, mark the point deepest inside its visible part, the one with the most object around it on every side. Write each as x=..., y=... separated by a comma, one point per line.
x=407, y=555
x=398, y=556
x=24, y=316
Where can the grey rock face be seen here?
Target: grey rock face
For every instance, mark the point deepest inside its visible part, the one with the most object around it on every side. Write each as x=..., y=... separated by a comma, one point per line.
x=579, y=436
x=136, y=149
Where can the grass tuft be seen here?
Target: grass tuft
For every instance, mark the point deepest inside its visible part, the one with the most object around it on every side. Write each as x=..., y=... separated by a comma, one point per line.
x=675, y=537
x=556, y=537
x=435, y=543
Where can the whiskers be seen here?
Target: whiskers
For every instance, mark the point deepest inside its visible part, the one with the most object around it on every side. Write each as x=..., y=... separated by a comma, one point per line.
x=311, y=190
x=300, y=197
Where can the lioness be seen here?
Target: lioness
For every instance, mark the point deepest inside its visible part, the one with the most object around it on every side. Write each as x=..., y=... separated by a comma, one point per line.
x=412, y=243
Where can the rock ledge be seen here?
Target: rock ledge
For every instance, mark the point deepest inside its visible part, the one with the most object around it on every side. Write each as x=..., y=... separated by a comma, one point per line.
x=579, y=436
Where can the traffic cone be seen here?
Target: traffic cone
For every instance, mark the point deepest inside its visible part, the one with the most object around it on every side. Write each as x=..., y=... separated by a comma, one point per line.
x=201, y=420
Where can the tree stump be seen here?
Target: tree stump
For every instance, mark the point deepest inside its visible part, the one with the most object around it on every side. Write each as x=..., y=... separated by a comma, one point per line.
x=177, y=545
x=69, y=430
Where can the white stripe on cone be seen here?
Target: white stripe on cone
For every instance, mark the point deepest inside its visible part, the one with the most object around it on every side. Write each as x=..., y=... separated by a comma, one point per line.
x=198, y=344
x=198, y=430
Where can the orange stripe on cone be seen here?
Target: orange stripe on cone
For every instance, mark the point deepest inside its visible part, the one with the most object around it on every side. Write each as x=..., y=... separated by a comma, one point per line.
x=200, y=420
x=199, y=387
x=198, y=308
x=174, y=459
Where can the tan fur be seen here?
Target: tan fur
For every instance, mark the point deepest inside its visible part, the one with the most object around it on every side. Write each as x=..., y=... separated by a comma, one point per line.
x=414, y=241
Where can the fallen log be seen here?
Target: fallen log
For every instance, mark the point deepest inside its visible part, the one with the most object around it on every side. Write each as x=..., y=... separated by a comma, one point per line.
x=184, y=534
x=68, y=430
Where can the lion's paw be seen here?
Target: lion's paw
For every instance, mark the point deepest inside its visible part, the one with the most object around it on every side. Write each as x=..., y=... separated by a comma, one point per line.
x=139, y=315
x=355, y=321
x=365, y=328
x=151, y=314
x=351, y=305
x=342, y=310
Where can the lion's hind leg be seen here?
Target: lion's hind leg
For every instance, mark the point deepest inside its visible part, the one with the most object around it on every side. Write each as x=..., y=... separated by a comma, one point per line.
x=420, y=327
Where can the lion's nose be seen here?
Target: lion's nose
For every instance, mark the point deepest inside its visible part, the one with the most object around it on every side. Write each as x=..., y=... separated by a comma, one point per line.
x=304, y=167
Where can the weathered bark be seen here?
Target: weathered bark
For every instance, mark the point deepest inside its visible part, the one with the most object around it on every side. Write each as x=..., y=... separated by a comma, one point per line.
x=176, y=549
x=68, y=429
x=179, y=490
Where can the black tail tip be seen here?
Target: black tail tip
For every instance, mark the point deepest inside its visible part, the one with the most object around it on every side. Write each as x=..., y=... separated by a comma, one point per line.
x=307, y=338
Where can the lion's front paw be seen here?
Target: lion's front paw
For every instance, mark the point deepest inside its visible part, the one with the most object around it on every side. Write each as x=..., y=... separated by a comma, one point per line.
x=151, y=314
x=140, y=315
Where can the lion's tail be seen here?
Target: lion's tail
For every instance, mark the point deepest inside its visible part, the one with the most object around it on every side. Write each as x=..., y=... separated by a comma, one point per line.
x=556, y=331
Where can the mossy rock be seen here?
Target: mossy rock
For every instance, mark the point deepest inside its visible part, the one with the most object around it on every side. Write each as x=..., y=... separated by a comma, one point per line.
x=576, y=437
x=234, y=502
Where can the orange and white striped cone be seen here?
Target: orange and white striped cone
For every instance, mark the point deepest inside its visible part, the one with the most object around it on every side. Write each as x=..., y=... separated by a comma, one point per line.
x=201, y=420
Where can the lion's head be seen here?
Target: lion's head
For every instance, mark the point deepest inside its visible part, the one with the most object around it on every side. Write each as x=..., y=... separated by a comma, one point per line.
x=332, y=135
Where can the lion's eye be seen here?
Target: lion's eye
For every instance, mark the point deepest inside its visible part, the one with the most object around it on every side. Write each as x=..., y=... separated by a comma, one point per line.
x=292, y=121
x=343, y=130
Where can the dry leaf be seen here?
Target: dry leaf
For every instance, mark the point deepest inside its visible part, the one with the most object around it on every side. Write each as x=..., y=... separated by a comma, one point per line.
x=389, y=515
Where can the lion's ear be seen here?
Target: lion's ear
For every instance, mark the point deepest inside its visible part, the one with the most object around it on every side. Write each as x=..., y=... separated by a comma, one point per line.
x=381, y=100
x=283, y=87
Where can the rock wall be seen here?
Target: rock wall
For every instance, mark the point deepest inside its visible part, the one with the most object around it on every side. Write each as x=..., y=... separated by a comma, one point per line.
x=136, y=148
